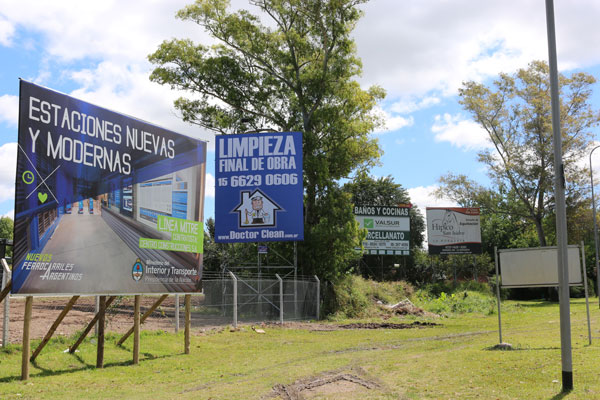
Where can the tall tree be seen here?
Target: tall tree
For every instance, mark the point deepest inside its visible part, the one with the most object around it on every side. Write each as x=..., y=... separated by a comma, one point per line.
x=295, y=71
x=515, y=112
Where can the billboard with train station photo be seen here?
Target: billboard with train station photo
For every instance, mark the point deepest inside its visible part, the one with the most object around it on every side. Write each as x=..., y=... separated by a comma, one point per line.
x=105, y=203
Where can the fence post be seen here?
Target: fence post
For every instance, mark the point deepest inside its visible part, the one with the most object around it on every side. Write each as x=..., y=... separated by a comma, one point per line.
x=318, y=297
x=280, y=298
x=235, y=302
x=5, y=279
x=96, y=311
x=176, y=313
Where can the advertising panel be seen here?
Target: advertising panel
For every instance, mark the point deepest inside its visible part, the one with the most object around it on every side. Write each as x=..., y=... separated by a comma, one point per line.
x=453, y=230
x=388, y=229
x=88, y=216
x=537, y=267
x=259, y=190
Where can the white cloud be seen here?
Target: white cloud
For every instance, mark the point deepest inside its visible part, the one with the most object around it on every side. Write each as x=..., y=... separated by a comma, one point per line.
x=459, y=132
x=415, y=47
x=9, y=109
x=127, y=89
x=10, y=214
x=410, y=104
x=423, y=197
x=210, y=185
x=392, y=122
x=8, y=155
x=7, y=30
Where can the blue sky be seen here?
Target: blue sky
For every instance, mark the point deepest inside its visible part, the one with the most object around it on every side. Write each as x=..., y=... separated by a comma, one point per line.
x=418, y=51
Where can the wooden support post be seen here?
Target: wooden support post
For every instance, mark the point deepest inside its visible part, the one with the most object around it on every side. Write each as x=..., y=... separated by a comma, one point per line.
x=144, y=317
x=136, y=331
x=188, y=313
x=6, y=290
x=101, y=323
x=87, y=330
x=26, y=324
x=54, y=326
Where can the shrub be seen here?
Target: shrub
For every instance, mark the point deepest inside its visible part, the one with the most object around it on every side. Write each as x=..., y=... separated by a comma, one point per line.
x=459, y=302
x=356, y=297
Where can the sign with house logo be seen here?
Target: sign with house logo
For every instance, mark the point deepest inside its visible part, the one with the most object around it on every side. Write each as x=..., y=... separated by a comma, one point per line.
x=259, y=191
x=256, y=209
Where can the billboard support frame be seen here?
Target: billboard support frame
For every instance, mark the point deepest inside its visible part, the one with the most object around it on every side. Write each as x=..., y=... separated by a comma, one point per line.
x=54, y=327
x=582, y=283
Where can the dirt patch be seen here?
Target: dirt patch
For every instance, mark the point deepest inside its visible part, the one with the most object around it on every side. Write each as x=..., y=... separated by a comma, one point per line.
x=388, y=325
x=337, y=383
x=119, y=317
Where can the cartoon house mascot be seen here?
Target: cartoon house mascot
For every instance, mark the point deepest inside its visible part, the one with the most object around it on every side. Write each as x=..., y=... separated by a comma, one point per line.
x=258, y=215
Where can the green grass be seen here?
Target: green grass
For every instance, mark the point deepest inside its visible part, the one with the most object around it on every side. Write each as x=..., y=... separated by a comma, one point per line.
x=450, y=361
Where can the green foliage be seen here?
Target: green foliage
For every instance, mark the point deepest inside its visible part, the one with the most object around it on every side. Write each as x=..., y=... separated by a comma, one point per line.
x=295, y=72
x=6, y=232
x=329, y=244
x=356, y=297
x=468, y=297
x=6, y=227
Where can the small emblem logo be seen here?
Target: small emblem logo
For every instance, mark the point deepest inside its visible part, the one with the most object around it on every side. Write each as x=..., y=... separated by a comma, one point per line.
x=138, y=270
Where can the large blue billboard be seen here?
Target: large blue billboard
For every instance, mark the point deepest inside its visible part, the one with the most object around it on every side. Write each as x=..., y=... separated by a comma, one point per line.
x=259, y=189
x=104, y=203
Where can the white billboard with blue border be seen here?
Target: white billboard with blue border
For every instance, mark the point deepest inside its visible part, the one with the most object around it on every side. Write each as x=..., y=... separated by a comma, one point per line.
x=259, y=189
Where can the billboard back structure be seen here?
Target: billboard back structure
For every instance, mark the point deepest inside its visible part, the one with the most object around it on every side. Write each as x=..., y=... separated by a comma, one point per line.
x=388, y=229
x=259, y=188
x=104, y=203
x=453, y=230
x=537, y=267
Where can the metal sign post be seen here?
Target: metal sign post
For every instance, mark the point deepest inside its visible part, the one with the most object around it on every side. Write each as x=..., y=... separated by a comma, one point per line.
x=561, y=212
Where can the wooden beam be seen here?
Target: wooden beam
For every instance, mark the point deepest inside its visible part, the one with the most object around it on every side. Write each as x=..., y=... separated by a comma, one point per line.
x=146, y=315
x=188, y=312
x=101, y=323
x=6, y=290
x=136, y=331
x=54, y=326
x=87, y=330
x=26, y=325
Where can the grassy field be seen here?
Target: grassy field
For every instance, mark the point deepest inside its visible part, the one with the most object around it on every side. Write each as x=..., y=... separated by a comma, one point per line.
x=452, y=360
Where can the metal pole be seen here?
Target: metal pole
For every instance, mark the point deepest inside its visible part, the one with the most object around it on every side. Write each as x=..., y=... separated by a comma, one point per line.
x=561, y=213
x=5, y=278
x=235, y=301
x=595, y=227
x=585, y=285
x=498, y=294
x=318, y=297
x=176, y=313
x=296, y=280
x=280, y=298
x=259, y=292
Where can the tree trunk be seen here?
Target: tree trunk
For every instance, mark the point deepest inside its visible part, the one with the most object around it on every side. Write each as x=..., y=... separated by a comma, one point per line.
x=540, y=231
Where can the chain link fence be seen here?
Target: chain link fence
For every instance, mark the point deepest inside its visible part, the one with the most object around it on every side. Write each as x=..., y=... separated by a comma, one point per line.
x=226, y=300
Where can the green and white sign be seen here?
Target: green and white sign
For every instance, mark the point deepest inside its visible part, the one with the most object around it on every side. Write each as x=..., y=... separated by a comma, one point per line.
x=186, y=236
x=388, y=229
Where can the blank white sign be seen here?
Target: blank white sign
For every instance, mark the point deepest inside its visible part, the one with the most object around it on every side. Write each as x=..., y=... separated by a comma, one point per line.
x=537, y=267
